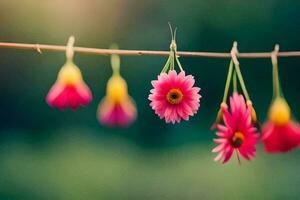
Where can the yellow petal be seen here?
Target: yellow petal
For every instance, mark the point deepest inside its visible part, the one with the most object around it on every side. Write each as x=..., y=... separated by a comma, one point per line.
x=116, y=88
x=280, y=112
x=70, y=74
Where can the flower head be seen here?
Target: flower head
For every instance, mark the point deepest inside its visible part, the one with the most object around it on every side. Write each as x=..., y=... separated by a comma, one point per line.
x=280, y=133
x=117, y=108
x=237, y=132
x=173, y=96
x=69, y=88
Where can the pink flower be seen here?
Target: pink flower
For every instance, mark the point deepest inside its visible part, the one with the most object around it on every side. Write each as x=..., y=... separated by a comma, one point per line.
x=69, y=89
x=280, y=133
x=117, y=108
x=278, y=139
x=174, y=97
x=116, y=114
x=237, y=133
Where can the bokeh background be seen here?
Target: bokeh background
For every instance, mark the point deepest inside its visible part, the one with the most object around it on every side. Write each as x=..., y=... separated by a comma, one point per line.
x=49, y=154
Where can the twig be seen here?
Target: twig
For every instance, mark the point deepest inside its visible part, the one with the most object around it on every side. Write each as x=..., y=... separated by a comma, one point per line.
x=43, y=47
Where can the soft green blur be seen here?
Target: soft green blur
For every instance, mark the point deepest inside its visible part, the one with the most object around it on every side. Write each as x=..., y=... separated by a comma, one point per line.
x=49, y=154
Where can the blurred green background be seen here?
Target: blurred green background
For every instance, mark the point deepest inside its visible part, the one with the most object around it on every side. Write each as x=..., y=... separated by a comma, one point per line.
x=49, y=154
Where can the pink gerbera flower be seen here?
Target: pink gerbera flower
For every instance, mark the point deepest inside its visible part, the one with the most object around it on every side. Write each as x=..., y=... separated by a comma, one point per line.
x=238, y=133
x=69, y=89
x=280, y=133
x=173, y=96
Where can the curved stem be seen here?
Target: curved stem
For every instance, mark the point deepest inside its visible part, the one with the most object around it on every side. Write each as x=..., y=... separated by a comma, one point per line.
x=227, y=85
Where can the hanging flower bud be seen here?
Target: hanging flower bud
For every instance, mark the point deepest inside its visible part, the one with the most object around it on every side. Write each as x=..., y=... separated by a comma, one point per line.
x=117, y=108
x=280, y=133
x=69, y=88
x=253, y=112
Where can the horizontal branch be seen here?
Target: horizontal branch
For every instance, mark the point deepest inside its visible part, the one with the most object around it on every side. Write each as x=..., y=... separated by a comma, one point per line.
x=43, y=47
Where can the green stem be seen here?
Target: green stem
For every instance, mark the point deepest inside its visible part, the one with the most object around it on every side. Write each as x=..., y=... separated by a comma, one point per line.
x=177, y=60
x=167, y=65
x=178, y=63
x=172, y=64
x=227, y=85
x=234, y=81
x=241, y=80
x=276, y=84
x=115, y=64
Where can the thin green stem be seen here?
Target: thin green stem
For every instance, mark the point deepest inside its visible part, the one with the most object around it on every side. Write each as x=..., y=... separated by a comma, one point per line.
x=234, y=82
x=115, y=64
x=172, y=64
x=167, y=65
x=227, y=85
x=276, y=83
x=178, y=63
x=241, y=80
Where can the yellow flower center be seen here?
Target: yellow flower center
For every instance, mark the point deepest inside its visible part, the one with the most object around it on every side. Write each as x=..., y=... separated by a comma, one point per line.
x=237, y=139
x=70, y=74
x=116, y=88
x=280, y=112
x=174, y=96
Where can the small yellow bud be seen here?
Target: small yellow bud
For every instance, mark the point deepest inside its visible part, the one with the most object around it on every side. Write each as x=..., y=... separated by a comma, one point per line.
x=220, y=113
x=116, y=88
x=69, y=74
x=219, y=118
x=280, y=112
x=253, y=112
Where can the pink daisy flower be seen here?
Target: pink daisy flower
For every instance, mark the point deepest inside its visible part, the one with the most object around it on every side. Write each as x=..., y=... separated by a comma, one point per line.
x=280, y=133
x=69, y=89
x=237, y=133
x=173, y=96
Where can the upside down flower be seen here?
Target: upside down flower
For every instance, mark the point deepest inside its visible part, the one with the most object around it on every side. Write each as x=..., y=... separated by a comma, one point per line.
x=280, y=133
x=69, y=88
x=174, y=96
x=117, y=108
x=237, y=133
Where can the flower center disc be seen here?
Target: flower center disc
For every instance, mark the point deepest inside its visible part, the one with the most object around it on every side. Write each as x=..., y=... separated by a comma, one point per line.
x=174, y=96
x=237, y=139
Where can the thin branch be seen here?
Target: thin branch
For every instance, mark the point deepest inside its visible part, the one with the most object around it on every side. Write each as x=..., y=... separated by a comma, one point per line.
x=43, y=47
